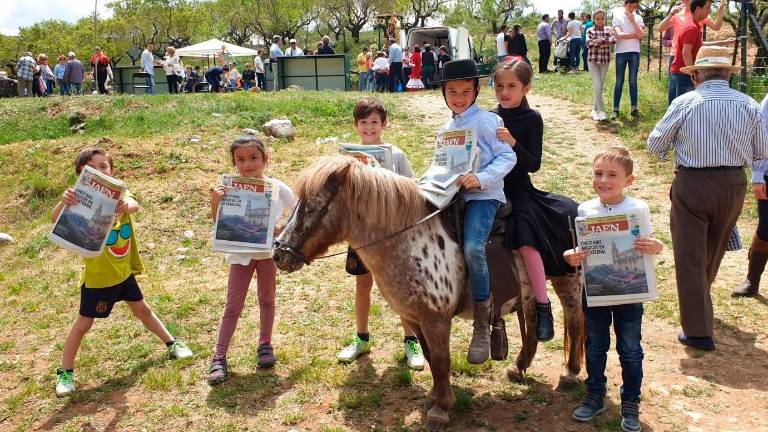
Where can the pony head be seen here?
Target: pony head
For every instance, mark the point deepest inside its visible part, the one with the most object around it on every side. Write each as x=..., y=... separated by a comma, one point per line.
x=341, y=199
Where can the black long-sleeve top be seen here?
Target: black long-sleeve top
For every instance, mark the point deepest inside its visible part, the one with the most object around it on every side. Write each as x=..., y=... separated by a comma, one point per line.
x=517, y=45
x=527, y=127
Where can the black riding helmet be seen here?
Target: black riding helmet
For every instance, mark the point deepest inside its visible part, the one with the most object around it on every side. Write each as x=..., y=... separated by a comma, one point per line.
x=460, y=70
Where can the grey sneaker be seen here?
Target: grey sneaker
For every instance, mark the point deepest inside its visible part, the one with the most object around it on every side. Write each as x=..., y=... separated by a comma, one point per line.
x=354, y=350
x=589, y=408
x=178, y=350
x=630, y=417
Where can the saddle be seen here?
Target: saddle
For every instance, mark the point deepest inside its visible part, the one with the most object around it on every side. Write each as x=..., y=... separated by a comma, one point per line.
x=504, y=283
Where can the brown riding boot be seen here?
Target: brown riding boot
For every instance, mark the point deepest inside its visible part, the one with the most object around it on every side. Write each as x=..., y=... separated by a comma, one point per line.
x=758, y=256
x=481, y=336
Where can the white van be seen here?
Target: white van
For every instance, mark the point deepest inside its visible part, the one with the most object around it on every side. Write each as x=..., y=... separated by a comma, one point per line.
x=456, y=40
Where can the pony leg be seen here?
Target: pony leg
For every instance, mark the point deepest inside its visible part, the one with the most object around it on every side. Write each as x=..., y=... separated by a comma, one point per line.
x=568, y=289
x=437, y=337
x=525, y=356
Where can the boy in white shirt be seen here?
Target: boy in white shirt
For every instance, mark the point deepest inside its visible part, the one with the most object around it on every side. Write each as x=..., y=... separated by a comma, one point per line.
x=612, y=172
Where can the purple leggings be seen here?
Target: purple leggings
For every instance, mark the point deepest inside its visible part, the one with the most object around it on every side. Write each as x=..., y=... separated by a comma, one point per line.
x=237, y=290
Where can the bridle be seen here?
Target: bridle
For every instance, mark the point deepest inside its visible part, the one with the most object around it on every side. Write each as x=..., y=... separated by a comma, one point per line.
x=331, y=187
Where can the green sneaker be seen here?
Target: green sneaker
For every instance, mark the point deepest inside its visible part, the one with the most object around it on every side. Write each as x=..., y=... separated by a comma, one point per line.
x=178, y=350
x=354, y=350
x=65, y=382
x=414, y=357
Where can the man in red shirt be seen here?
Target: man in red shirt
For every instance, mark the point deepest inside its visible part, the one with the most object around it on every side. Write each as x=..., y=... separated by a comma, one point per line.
x=688, y=43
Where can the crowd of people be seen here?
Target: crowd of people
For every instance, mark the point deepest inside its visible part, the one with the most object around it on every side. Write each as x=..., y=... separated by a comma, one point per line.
x=591, y=39
x=34, y=76
x=397, y=69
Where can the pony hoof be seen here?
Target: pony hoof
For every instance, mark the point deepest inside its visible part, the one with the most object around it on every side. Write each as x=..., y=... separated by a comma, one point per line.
x=568, y=382
x=437, y=418
x=429, y=404
x=514, y=374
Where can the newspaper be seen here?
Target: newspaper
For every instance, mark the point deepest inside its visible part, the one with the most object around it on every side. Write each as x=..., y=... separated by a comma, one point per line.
x=456, y=154
x=245, y=222
x=372, y=155
x=615, y=272
x=83, y=228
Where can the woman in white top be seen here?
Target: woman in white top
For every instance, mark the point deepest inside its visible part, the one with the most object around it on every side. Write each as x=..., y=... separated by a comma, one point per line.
x=574, y=42
x=173, y=69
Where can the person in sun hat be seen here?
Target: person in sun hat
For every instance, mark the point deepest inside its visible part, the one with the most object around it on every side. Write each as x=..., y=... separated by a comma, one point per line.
x=483, y=188
x=714, y=131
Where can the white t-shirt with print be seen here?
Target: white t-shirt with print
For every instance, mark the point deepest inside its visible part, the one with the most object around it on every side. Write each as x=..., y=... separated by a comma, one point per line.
x=285, y=201
x=620, y=20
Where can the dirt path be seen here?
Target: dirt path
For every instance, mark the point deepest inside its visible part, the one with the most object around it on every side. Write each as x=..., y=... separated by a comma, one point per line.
x=683, y=389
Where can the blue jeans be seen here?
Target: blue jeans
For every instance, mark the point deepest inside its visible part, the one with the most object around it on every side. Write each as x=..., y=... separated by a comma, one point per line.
x=63, y=87
x=75, y=88
x=574, y=54
x=48, y=87
x=622, y=60
x=365, y=81
x=262, y=79
x=150, y=82
x=679, y=84
x=584, y=52
x=627, y=324
x=670, y=84
x=248, y=84
x=478, y=220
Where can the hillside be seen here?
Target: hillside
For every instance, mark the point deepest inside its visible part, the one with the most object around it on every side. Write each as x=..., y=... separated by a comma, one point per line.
x=171, y=150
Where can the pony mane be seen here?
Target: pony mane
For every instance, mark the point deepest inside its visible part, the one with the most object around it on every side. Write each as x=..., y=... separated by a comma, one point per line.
x=386, y=200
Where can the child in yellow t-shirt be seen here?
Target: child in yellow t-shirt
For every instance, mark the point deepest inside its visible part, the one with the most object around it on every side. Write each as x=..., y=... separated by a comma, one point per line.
x=109, y=278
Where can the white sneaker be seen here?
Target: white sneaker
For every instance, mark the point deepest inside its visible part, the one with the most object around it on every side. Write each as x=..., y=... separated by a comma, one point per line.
x=65, y=382
x=595, y=115
x=354, y=350
x=178, y=350
x=414, y=357
x=602, y=116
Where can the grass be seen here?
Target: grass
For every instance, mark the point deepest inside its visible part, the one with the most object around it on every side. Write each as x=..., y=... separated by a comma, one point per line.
x=124, y=377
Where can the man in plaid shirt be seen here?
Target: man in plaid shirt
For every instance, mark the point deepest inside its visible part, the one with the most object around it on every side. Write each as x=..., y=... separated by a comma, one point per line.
x=25, y=71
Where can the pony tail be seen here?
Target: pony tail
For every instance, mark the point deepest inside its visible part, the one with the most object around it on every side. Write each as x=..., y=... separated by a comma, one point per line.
x=524, y=102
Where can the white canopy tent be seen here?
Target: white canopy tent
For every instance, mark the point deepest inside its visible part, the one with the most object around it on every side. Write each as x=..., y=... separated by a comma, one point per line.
x=211, y=48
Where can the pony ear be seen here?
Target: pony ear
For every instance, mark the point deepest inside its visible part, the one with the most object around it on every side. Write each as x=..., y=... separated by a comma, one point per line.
x=338, y=176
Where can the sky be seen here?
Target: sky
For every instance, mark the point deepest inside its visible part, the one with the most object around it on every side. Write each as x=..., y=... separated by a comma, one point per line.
x=23, y=13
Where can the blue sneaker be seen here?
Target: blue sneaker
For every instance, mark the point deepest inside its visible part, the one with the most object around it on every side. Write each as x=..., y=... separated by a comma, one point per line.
x=589, y=408
x=630, y=417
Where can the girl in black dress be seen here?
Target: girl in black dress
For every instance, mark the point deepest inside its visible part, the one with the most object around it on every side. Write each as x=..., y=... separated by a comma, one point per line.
x=538, y=226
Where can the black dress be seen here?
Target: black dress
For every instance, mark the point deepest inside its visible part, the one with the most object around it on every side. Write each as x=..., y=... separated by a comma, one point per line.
x=539, y=219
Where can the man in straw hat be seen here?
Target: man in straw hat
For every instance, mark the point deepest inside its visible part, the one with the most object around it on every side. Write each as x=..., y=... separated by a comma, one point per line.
x=714, y=132
x=483, y=189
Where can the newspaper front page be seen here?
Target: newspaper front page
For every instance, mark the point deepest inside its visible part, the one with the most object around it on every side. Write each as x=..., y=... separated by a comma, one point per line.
x=615, y=272
x=83, y=228
x=245, y=222
x=456, y=154
x=372, y=155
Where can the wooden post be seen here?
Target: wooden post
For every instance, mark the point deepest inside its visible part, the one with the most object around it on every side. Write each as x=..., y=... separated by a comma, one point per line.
x=743, y=40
